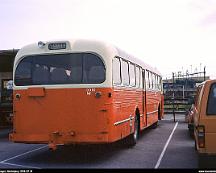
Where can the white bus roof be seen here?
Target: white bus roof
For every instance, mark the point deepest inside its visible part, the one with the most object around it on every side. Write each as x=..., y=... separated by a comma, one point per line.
x=83, y=45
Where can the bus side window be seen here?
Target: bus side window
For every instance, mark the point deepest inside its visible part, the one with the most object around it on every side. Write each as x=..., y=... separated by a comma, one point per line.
x=132, y=74
x=141, y=78
x=158, y=82
x=137, y=76
x=150, y=80
x=147, y=80
x=124, y=72
x=116, y=71
x=211, y=108
x=153, y=81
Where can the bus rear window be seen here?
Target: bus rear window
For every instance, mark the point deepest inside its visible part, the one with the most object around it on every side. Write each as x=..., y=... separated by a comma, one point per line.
x=76, y=68
x=211, y=107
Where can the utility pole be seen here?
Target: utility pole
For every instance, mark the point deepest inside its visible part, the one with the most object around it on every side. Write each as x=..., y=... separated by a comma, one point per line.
x=173, y=101
x=204, y=73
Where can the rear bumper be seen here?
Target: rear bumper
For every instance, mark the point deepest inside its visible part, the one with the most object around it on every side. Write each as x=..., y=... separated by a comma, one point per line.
x=58, y=138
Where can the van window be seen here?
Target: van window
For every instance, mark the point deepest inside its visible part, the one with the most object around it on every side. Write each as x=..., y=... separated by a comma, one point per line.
x=211, y=104
x=76, y=68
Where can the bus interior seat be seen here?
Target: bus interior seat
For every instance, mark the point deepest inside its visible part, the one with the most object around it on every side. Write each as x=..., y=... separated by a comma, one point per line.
x=40, y=75
x=96, y=74
x=76, y=75
x=59, y=75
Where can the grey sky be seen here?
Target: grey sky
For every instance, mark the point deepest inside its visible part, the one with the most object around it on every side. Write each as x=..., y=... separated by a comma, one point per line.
x=171, y=35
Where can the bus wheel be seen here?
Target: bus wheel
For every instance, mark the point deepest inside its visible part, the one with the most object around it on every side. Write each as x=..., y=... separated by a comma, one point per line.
x=155, y=125
x=132, y=139
x=159, y=114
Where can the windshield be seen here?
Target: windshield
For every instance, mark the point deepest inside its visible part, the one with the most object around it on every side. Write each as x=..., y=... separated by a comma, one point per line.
x=76, y=68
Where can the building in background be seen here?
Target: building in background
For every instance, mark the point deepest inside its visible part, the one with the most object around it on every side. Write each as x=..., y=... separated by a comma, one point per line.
x=179, y=91
x=6, y=78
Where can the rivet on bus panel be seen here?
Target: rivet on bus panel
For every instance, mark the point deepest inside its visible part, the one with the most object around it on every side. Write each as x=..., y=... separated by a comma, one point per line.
x=72, y=133
x=109, y=94
x=57, y=133
x=98, y=94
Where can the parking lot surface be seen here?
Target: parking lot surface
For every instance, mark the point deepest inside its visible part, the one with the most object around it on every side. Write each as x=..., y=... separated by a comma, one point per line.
x=167, y=146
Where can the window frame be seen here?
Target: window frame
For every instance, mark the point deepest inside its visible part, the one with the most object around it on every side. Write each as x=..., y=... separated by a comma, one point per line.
x=62, y=53
x=122, y=75
x=120, y=65
x=134, y=70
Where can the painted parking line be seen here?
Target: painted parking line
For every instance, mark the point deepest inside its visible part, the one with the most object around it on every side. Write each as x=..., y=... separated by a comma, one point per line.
x=18, y=165
x=5, y=162
x=165, y=147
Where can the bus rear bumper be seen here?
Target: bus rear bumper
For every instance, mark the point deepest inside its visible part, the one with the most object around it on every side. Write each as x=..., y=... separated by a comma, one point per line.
x=57, y=138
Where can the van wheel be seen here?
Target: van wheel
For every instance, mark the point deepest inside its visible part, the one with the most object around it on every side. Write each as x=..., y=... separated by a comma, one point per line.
x=132, y=139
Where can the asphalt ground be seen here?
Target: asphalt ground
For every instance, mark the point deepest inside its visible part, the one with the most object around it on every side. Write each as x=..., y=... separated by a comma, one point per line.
x=167, y=146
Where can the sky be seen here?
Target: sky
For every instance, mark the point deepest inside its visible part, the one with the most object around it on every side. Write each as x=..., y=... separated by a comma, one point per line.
x=171, y=35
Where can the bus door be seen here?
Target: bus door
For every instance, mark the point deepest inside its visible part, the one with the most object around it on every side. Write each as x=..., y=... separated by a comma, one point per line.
x=144, y=98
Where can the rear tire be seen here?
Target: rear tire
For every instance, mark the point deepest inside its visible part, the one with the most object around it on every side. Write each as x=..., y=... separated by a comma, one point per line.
x=155, y=125
x=159, y=114
x=132, y=139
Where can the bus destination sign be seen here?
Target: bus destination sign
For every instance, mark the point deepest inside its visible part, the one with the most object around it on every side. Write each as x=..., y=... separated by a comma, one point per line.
x=56, y=46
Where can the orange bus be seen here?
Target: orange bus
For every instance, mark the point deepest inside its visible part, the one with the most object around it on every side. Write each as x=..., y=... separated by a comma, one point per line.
x=82, y=91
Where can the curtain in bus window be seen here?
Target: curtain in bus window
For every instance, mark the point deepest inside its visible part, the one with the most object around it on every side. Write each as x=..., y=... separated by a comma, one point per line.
x=76, y=68
x=211, y=107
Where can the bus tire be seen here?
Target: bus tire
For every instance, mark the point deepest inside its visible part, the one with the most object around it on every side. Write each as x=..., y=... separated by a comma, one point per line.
x=155, y=125
x=132, y=139
x=159, y=114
